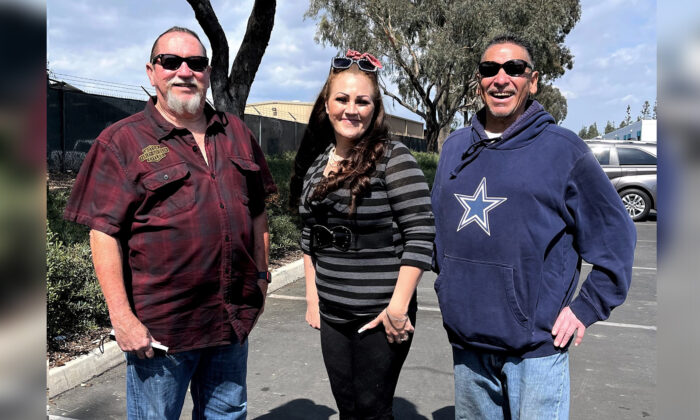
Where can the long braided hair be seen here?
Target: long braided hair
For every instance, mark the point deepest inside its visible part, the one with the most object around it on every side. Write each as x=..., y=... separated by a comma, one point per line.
x=356, y=170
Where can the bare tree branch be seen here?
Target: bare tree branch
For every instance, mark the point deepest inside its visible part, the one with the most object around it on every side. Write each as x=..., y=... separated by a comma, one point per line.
x=398, y=99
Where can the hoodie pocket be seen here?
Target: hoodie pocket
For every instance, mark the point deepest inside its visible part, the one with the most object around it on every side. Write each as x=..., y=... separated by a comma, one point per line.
x=479, y=304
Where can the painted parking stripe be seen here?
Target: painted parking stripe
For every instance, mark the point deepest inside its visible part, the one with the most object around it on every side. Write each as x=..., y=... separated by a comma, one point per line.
x=436, y=309
x=286, y=297
x=622, y=325
x=634, y=268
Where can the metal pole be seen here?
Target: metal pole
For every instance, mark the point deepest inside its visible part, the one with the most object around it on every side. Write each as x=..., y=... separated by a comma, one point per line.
x=62, y=113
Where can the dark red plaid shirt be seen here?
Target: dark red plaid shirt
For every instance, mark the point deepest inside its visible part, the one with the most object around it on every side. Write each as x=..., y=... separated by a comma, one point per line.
x=185, y=226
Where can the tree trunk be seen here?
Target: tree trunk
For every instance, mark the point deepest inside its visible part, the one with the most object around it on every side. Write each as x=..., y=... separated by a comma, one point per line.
x=245, y=66
x=231, y=93
x=219, y=55
x=442, y=136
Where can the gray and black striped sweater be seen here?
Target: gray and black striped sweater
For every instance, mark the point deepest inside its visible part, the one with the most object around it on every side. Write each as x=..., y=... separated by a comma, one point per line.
x=358, y=283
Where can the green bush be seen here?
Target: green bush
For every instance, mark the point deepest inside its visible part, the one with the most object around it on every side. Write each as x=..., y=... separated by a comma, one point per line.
x=74, y=298
x=67, y=232
x=285, y=230
x=428, y=163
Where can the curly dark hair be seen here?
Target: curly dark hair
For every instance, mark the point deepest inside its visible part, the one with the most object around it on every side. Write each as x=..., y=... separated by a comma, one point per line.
x=355, y=171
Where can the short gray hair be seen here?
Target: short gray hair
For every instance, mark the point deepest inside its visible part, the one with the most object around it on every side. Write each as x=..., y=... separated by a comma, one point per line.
x=176, y=29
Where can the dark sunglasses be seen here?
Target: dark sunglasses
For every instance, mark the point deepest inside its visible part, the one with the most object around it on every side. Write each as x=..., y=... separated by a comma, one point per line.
x=345, y=63
x=513, y=68
x=173, y=62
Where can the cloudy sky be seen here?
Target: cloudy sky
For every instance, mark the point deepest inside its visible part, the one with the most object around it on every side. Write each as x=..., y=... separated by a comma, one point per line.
x=102, y=46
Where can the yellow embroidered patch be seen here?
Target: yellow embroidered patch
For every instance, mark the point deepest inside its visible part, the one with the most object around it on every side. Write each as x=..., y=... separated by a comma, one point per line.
x=153, y=153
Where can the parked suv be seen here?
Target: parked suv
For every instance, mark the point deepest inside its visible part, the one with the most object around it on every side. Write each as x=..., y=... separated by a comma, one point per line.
x=631, y=167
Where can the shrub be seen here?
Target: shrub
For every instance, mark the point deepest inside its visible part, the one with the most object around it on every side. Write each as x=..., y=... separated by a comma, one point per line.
x=428, y=163
x=285, y=229
x=74, y=298
x=66, y=232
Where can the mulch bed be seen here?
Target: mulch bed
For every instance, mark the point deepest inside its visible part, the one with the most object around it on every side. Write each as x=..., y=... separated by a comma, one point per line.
x=70, y=348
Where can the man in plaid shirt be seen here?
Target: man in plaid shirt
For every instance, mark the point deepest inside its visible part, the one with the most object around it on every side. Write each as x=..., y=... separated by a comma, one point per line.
x=174, y=196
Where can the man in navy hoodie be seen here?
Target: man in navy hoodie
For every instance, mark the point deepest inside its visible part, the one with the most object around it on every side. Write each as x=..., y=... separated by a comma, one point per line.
x=518, y=203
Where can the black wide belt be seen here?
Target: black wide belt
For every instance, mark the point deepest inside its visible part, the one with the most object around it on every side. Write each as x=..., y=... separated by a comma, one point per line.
x=344, y=238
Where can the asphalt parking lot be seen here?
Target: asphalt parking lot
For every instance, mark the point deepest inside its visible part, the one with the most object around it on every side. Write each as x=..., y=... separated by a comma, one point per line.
x=613, y=372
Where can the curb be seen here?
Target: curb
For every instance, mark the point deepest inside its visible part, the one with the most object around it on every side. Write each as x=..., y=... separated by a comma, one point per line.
x=61, y=379
x=73, y=373
x=286, y=274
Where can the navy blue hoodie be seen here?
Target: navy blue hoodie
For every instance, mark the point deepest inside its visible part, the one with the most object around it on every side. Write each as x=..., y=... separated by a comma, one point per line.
x=514, y=216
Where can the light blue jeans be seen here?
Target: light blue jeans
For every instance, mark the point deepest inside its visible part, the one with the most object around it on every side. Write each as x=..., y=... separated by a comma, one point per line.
x=491, y=386
x=156, y=388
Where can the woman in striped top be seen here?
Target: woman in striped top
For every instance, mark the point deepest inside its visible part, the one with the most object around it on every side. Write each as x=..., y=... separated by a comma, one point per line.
x=367, y=237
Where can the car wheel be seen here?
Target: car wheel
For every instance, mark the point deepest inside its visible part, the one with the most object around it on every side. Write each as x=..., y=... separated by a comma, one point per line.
x=637, y=203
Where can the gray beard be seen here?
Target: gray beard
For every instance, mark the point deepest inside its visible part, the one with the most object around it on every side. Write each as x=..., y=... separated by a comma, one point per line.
x=181, y=107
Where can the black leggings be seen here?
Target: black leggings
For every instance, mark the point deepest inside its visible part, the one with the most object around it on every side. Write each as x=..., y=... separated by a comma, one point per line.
x=363, y=368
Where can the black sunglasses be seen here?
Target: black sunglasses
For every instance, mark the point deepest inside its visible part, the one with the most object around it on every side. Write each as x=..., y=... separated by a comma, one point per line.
x=345, y=63
x=513, y=68
x=173, y=62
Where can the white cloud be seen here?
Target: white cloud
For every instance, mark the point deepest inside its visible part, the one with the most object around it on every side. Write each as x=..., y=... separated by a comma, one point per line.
x=624, y=58
x=629, y=99
x=568, y=94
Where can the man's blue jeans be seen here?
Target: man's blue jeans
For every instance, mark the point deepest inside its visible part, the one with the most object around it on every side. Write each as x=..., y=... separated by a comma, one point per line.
x=156, y=388
x=491, y=386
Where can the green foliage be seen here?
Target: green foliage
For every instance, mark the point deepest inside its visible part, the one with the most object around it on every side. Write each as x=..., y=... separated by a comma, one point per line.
x=428, y=163
x=74, y=298
x=284, y=235
x=431, y=48
x=609, y=127
x=583, y=132
x=593, y=131
x=285, y=230
x=67, y=232
x=552, y=100
x=645, y=114
x=628, y=118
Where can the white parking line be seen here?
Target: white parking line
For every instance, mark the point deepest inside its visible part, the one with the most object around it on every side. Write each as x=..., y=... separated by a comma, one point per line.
x=634, y=268
x=276, y=296
x=621, y=325
x=437, y=309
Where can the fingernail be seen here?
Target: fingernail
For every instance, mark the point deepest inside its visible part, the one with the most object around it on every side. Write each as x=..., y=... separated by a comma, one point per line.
x=360, y=330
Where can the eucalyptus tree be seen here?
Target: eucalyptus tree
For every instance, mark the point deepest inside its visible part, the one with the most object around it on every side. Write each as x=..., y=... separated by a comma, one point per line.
x=431, y=48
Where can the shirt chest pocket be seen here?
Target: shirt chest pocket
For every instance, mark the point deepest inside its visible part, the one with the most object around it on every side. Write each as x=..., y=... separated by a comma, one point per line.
x=246, y=174
x=170, y=191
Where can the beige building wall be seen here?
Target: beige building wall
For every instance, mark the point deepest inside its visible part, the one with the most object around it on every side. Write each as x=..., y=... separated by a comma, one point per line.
x=300, y=112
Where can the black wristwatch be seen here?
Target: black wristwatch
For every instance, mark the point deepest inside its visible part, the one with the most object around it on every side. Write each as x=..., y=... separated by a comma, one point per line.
x=266, y=275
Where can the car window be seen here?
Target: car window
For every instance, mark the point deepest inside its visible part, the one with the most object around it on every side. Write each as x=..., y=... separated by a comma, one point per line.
x=602, y=153
x=634, y=156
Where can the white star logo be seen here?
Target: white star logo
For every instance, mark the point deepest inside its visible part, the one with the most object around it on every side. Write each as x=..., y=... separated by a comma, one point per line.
x=477, y=207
